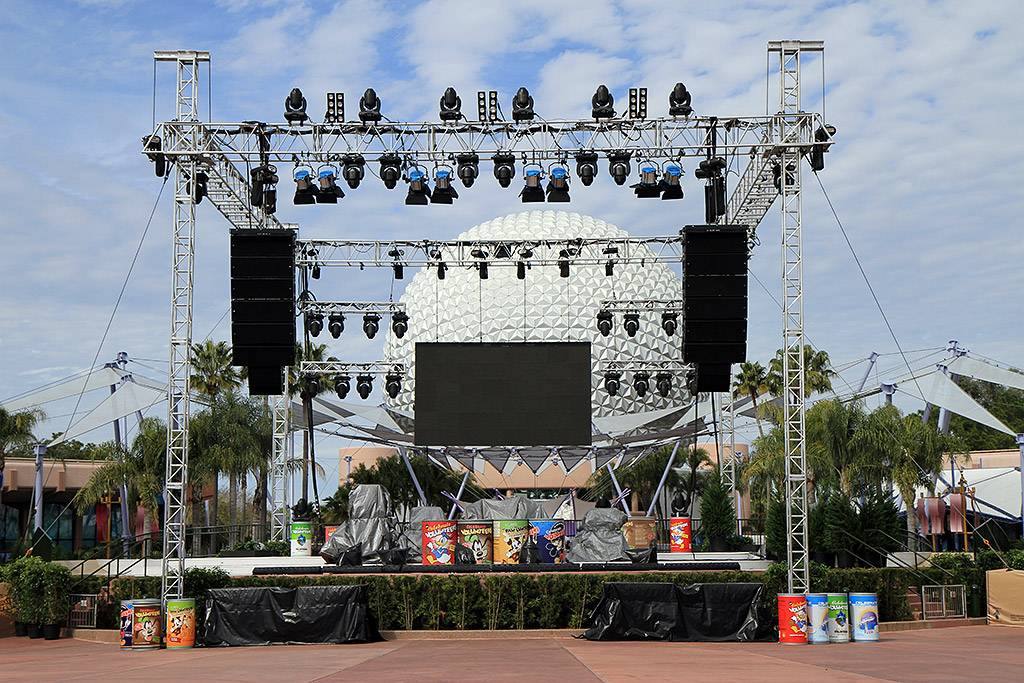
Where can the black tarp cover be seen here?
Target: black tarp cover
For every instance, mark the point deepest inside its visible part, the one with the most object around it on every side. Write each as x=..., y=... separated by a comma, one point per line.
x=715, y=612
x=309, y=614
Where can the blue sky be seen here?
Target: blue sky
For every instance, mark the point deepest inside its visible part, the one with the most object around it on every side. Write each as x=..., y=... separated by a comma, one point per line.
x=924, y=174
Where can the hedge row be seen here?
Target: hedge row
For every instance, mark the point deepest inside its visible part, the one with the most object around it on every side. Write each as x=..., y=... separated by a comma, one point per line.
x=522, y=601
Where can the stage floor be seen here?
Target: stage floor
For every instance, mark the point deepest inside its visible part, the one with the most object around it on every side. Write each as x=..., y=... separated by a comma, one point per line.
x=970, y=653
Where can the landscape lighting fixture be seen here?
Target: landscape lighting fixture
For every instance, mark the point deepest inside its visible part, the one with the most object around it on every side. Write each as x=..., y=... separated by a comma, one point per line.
x=369, y=107
x=364, y=385
x=663, y=383
x=392, y=384
x=468, y=168
x=443, y=192
x=648, y=185
x=618, y=167
x=342, y=384
x=670, y=182
x=679, y=101
x=399, y=324
x=450, y=106
x=295, y=107
x=335, y=324
x=522, y=106
x=315, y=323
x=586, y=167
x=558, y=185
x=641, y=383
x=390, y=169
x=532, y=191
x=329, y=192
x=631, y=323
x=669, y=322
x=371, y=324
x=603, y=103
x=352, y=169
x=504, y=167
x=612, y=382
x=419, y=191
x=605, y=320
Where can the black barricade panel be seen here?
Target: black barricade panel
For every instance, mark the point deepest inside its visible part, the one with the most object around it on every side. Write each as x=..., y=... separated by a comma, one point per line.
x=309, y=614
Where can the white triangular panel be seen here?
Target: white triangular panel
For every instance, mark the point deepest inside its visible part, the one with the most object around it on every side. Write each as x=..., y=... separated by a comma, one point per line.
x=128, y=398
x=99, y=378
x=943, y=392
x=978, y=369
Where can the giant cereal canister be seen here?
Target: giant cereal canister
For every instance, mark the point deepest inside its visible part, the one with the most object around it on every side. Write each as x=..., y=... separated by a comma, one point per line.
x=126, y=624
x=817, y=618
x=329, y=530
x=439, y=541
x=302, y=538
x=180, y=628
x=864, y=616
x=680, y=538
x=838, y=618
x=478, y=536
x=145, y=624
x=640, y=532
x=549, y=535
x=792, y=619
x=509, y=537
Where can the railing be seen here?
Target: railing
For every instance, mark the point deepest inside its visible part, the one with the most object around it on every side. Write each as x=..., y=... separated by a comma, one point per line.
x=83, y=610
x=944, y=602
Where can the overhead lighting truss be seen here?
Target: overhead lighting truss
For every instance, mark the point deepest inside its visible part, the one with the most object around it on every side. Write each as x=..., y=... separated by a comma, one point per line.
x=675, y=367
x=327, y=307
x=336, y=367
x=630, y=305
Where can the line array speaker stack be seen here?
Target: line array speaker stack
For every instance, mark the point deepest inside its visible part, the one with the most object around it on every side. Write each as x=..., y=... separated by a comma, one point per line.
x=714, y=303
x=263, y=306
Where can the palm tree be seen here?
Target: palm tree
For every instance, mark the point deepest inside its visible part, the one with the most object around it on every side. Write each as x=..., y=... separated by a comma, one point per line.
x=818, y=372
x=16, y=434
x=751, y=381
x=832, y=450
x=308, y=386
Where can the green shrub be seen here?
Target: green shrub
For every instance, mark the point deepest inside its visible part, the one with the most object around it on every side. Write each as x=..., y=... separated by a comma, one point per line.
x=717, y=514
x=26, y=577
x=56, y=599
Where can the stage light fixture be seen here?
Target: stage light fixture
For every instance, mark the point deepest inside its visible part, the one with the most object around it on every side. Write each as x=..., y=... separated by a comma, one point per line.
x=504, y=167
x=443, y=192
x=152, y=144
x=315, y=271
x=679, y=101
x=558, y=185
x=312, y=386
x=618, y=166
x=270, y=181
x=256, y=186
x=305, y=189
x=586, y=167
x=419, y=190
x=520, y=270
x=669, y=322
x=821, y=135
x=522, y=106
x=353, y=169
x=648, y=185
x=450, y=105
x=369, y=107
x=199, y=186
x=342, y=385
x=563, y=263
x=295, y=107
x=392, y=384
x=396, y=265
x=602, y=103
x=532, y=191
x=468, y=168
x=371, y=324
x=335, y=108
x=364, y=385
x=609, y=266
x=638, y=103
x=336, y=324
x=329, y=192
x=315, y=323
x=663, y=383
x=481, y=106
x=631, y=323
x=641, y=383
x=670, y=185
x=481, y=264
x=399, y=323
x=612, y=383
x=390, y=169
x=605, y=321
x=441, y=267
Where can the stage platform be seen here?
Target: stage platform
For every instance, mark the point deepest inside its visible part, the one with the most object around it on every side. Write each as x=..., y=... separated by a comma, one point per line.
x=248, y=566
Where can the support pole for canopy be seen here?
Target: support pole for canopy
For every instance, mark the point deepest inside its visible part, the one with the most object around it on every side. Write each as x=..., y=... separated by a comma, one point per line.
x=126, y=532
x=412, y=475
x=458, y=496
x=618, y=489
x=871, y=366
x=37, y=490
x=888, y=390
x=1020, y=442
x=664, y=477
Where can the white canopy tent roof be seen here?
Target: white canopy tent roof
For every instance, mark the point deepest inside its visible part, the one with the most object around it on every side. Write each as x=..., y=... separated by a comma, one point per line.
x=86, y=381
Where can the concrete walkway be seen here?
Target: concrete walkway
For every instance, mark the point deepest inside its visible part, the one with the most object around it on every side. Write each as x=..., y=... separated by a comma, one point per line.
x=970, y=653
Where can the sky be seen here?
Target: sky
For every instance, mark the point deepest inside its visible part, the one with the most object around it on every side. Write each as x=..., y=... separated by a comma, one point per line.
x=924, y=173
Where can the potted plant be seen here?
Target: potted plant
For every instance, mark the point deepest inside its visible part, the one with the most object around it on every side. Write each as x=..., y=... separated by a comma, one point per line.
x=26, y=576
x=56, y=605
x=7, y=599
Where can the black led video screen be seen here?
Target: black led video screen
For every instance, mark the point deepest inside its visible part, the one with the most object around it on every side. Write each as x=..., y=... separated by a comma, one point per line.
x=508, y=394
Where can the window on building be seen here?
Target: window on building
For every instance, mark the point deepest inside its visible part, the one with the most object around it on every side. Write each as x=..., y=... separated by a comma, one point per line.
x=10, y=525
x=61, y=531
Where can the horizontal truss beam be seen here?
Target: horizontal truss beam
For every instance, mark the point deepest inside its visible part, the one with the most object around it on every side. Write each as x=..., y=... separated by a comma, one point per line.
x=673, y=366
x=335, y=367
x=327, y=307
x=630, y=305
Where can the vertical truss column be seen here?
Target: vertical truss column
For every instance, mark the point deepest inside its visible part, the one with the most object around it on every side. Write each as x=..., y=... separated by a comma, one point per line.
x=182, y=264
x=279, y=479
x=793, y=317
x=724, y=416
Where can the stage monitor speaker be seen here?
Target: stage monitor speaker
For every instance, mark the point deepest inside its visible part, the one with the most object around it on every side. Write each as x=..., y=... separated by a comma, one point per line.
x=715, y=295
x=263, y=305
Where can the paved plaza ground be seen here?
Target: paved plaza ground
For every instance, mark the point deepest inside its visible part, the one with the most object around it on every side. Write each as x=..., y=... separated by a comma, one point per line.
x=970, y=653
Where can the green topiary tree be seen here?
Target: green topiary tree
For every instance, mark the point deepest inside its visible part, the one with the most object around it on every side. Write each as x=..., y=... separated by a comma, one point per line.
x=717, y=514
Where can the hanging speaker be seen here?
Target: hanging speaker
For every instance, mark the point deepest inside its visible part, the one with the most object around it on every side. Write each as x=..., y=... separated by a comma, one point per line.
x=715, y=296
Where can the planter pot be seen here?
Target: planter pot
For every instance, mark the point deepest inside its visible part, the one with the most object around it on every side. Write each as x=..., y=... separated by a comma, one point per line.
x=51, y=631
x=34, y=630
x=718, y=545
x=20, y=628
